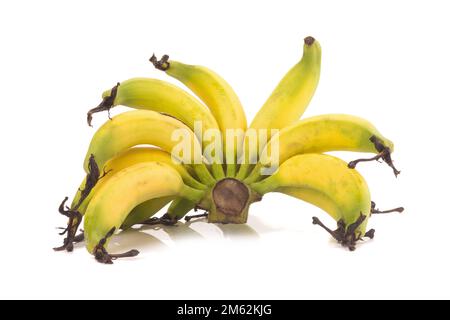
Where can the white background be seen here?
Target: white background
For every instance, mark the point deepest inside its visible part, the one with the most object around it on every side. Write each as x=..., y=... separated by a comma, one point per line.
x=383, y=60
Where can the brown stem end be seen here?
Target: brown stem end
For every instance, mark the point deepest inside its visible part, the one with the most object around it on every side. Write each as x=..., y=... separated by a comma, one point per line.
x=309, y=41
x=106, y=104
x=163, y=64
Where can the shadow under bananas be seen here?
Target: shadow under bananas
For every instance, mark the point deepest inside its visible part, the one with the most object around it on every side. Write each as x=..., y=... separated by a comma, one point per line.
x=186, y=230
x=134, y=239
x=139, y=237
x=179, y=231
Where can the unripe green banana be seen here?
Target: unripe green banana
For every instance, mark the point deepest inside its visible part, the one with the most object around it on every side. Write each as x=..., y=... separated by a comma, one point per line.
x=144, y=211
x=179, y=208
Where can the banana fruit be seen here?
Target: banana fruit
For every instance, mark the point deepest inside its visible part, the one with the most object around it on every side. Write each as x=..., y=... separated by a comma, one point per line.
x=326, y=182
x=204, y=156
x=144, y=211
x=331, y=132
x=289, y=100
x=138, y=127
x=292, y=95
x=110, y=205
x=131, y=157
x=218, y=96
x=163, y=97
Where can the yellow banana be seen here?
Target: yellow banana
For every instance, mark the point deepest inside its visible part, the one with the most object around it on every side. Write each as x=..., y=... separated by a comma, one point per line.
x=217, y=94
x=161, y=96
x=128, y=158
x=138, y=127
x=91, y=184
x=331, y=132
x=292, y=95
x=326, y=182
x=290, y=98
x=125, y=190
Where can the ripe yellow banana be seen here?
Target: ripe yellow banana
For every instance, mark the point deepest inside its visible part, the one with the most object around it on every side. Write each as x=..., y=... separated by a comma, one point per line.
x=161, y=96
x=125, y=190
x=289, y=100
x=326, y=182
x=128, y=158
x=292, y=95
x=138, y=127
x=217, y=94
x=331, y=132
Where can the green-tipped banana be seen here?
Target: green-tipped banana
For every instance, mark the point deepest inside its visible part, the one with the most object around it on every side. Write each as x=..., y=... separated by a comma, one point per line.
x=144, y=211
x=331, y=132
x=326, y=182
x=289, y=100
x=124, y=191
x=138, y=127
x=179, y=208
x=161, y=96
x=217, y=94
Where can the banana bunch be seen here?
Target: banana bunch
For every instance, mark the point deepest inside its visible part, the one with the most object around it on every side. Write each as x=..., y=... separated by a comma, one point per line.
x=196, y=152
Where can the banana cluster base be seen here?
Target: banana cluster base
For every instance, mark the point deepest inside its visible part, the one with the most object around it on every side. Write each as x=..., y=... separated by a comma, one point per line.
x=229, y=201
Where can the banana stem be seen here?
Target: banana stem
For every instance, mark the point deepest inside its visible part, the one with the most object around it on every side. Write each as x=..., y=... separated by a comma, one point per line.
x=231, y=170
x=191, y=194
x=384, y=153
x=203, y=174
x=263, y=187
x=106, y=104
x=217, y=171
x=254, y=174
x=374, y=210
x=194, y=216
x=243, y=171
x=102, y=256
x=179, y=208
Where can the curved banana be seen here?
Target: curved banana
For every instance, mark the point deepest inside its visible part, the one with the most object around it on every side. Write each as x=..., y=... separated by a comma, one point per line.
x=331, y=132
x=138, y=127
x=290, y=98
x=326, y=182
x=161, y=96
x=217, y=94
x=292, y=95
x=125, y=190
x=131, y=157
x=178, y=208
x=144, y=211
